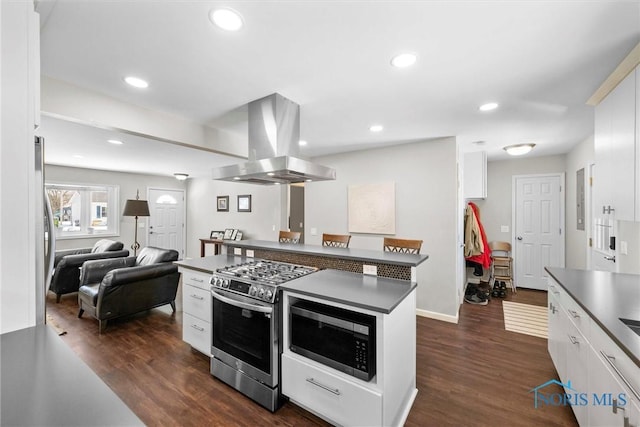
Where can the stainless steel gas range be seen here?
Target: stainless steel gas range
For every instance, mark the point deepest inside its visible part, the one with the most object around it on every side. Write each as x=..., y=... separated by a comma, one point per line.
x=247, y=327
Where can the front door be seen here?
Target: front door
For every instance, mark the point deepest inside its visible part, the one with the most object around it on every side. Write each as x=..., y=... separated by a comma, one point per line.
x=539, y=228
x=166, y=223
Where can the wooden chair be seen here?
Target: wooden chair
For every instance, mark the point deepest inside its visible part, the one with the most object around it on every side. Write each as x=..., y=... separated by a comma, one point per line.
x=501, y=264
x=336, y=240
x=405, y=246
x=289, y=236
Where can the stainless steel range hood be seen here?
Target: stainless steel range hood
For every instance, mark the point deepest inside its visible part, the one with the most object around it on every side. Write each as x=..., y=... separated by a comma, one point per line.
x=274, y=133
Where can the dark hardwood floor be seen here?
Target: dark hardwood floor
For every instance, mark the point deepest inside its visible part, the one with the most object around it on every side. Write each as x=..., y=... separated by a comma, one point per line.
x=473, y=373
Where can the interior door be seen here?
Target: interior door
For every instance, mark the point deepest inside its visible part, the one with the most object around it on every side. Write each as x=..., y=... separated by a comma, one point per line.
x=539, y=228
x=166, y=223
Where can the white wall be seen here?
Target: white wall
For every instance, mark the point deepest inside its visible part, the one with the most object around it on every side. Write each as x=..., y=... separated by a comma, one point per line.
x=495, y=210
x=577, y=241
x=426, y=192
x=128, y=183
x=263, y=222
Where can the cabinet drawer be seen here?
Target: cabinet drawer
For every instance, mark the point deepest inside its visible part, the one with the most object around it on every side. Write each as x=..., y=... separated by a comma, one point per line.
x=196, y=302
x=197, y=333
x=574, y=312
x=194, y=278
x=341, y=401
x=625, y=370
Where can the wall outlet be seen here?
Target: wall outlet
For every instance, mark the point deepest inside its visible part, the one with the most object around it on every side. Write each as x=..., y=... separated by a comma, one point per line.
x=250, y=253
x=372, y=270
x=623, y=247
x=504, y=228
x=314, y=231
x=273, y=228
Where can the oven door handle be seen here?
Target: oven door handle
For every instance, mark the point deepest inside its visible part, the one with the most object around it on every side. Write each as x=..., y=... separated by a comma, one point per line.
x=241, y=304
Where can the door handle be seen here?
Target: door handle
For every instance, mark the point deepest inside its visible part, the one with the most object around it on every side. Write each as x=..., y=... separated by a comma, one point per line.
x=519, y=237
x=610, y=258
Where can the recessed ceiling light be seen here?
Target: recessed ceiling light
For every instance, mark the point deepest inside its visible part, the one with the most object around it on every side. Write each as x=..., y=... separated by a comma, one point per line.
x=236, y=178
x=376, y=128
x=136, y=82
x=488, y=107
x=115, y=141
x=227, y=19
x=302, y=142
x=519, y=149
x=404, y=60
x=271, y=174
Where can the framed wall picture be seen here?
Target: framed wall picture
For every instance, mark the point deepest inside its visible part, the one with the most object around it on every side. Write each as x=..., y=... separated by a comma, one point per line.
x=217, y=235
x=228, y=233
x=222, y=203
x=239, y=235
x=244, y=203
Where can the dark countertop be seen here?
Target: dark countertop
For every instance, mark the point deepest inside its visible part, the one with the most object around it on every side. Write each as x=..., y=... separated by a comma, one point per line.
x=45, y=383
x=365, y=255
x=606, y=297
x=368, y=292
x=210, y=263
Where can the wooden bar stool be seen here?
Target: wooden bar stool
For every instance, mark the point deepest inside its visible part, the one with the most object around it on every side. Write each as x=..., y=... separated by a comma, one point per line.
x=336, y=240
x=501, y=264
x=289, y=237
x=405, y=246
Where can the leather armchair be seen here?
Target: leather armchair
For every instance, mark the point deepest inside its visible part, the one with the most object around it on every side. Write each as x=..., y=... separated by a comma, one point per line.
x=67, y=263
x=111, y=288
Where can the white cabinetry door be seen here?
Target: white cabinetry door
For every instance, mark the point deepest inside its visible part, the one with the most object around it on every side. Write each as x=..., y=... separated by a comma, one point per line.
x=604, y=388
x=475, y=175
x=556, y=340
x=196, y=310
x=615, y=151
x=576, y=369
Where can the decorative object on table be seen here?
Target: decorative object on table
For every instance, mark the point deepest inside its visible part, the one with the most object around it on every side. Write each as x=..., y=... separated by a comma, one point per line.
x=233, y=234
x=238, y=235
x=372, y=208
x=228, y=233
x=217, y=235
x=244, y=203
x=223, y=203
x=136, y=208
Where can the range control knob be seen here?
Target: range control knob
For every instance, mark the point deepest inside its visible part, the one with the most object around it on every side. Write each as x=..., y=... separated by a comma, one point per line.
x=253, y=291
x=217, y=281
x=261, y=293
x=268, y=295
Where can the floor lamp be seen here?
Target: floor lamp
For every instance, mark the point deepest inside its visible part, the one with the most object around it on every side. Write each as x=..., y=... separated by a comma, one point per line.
x=136, y=208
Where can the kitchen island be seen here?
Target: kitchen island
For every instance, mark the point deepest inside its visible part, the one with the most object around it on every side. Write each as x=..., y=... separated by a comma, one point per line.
x=594, y=351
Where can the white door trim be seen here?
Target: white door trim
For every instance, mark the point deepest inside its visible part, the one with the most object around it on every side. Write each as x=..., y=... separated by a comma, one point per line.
x=589, y=213
x=184, y=214
x=514, y=246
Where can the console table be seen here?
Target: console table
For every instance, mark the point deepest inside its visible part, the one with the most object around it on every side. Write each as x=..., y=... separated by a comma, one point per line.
x=217, y=244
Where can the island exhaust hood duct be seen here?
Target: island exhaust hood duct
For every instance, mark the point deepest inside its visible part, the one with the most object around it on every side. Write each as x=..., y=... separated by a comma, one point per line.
x=274, y=134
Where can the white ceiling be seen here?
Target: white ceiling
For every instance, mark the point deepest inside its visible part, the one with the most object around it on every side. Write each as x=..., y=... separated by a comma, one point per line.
x=541, y=60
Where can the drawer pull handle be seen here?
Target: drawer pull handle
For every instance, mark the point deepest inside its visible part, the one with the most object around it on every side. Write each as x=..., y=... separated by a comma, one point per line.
x=574, y=314
x=197, y=280
x=573, y=340
x=329, y=389
x=610, y=360
x=197, y=328
x=553, y=289
x=196, y=296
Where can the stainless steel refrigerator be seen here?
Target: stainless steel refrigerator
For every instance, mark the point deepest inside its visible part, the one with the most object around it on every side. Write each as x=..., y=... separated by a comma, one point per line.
x=45, y=235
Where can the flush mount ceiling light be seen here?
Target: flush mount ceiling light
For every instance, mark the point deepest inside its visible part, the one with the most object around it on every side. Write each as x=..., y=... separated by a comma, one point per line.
x=115, y=141
x=488, y=106
x=181, y=176
x=519, y=149
x=404, y=60
x=136, y=82
x=376, y=128
x=227, y=19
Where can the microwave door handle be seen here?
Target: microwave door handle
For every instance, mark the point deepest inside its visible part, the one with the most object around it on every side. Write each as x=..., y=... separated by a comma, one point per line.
x=241, y=304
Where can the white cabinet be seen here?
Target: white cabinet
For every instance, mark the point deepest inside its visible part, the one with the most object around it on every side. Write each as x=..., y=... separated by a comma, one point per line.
x=343, y=399
x=604, y=380
x=616, y=142
x=196, y=306
x=475, y=175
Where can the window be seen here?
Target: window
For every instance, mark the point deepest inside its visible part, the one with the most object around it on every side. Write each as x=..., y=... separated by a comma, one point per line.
x=84, y=210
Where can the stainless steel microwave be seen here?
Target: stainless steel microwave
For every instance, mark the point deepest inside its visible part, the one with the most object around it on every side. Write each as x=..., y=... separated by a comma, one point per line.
x=342, y=339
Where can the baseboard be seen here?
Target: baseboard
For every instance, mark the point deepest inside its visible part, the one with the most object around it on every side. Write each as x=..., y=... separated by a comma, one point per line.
x=437, y=316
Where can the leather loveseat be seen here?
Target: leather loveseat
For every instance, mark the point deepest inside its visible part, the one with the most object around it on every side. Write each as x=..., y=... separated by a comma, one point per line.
x=67, y=263
x=112, y=288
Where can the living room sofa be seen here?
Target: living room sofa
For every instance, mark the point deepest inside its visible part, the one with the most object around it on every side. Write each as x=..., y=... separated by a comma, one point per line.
x=117, y=287
x=67, y=263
